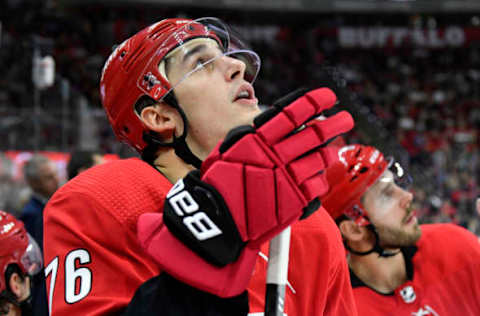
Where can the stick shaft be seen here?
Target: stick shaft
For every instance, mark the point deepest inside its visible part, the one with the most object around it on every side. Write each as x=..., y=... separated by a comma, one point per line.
x=277, y=273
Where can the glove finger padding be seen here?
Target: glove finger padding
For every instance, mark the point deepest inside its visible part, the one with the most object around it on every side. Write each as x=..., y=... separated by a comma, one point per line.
x=278, y=105
x=276, y=169
x=301, y=169
x=266, y=177
x=316, y=132
x=294, y=115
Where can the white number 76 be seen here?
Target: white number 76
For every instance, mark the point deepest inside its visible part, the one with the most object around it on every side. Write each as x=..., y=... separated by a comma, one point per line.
x=72, y=273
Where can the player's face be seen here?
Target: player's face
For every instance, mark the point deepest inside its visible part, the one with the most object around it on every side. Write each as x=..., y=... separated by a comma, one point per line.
x=215, y=98
x=389, y=209
x=47, y=181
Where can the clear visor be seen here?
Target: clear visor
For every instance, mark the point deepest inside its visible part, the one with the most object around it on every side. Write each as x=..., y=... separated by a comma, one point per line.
x=394, y=175
x=199, y=47
x=400, y=175
x=204, y=55
x=32, y=258
x=383, y=189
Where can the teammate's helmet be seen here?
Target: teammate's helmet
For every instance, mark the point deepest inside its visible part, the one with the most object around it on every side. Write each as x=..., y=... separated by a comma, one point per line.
x=357, y=168
x=135, y=69
x=17, y=247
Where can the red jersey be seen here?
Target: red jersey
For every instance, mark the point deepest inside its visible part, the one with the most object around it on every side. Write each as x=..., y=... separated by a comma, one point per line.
x=318, y=275
x=444, y=277
x=93, y=261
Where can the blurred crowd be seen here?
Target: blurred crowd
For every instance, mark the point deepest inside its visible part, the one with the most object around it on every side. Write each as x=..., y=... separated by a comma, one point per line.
x=426, y=101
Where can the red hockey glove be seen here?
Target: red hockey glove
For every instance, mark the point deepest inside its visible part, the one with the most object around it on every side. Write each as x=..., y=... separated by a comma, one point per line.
x=255, y=183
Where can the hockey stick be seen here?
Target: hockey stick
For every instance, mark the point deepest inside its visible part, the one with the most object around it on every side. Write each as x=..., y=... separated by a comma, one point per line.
x=277, y=272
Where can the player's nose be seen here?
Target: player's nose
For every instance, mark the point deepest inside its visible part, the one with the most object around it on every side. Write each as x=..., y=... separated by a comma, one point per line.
x=234, y=68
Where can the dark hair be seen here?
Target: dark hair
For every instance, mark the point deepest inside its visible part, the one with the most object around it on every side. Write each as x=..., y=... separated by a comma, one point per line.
x=341, y=218
x=8, y=294
x=79, y=159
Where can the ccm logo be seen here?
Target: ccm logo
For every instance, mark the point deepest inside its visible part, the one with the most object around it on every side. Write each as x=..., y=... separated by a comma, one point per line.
x=199, y=224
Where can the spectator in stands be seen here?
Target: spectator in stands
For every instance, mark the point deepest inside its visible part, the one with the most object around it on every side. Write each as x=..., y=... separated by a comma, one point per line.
x=474, y=224
x=478, y=206
x=9, y=189
x=42, y=178
x=81, y=160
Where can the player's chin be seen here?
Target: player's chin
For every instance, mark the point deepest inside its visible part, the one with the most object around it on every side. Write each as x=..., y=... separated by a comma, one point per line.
x=248, y=116
x=415, y=232
x=256, y=111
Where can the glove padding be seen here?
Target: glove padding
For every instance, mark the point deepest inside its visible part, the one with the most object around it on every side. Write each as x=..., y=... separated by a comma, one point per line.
x=269, y=176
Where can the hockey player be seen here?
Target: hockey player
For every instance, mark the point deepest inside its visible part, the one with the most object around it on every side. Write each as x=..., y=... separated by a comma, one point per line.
x=217, y=179
x=20, y=261
x=397, y=266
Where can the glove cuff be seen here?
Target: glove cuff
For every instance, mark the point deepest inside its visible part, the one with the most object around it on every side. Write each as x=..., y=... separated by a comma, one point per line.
x=197, y=215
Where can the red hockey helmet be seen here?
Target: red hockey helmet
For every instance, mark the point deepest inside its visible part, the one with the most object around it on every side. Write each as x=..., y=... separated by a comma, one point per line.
x=135, y=69
x=17, y=247
x=357, y=168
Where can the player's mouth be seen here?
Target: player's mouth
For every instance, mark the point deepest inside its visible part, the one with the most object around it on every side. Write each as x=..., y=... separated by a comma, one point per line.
x=246, y=95
x=411, y=218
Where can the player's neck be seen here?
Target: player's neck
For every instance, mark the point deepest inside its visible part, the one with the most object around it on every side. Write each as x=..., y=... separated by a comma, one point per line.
x=171, y=166
x=384, y=274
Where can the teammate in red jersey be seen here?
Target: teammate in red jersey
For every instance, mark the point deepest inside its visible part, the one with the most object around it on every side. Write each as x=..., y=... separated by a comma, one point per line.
x=397, y=266
x=217, y=179
x=20, y=262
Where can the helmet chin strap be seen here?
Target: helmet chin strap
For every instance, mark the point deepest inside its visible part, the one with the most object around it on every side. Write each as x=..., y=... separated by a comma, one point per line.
x=179, y=144
x=376, y=247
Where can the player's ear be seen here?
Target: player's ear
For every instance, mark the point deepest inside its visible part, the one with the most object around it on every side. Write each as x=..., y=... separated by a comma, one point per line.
x=162, y=119
x=351, y=230
x=19, y=286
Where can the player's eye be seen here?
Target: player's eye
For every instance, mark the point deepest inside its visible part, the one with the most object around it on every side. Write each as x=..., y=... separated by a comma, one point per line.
x=388, y=190
x=204, y=62
x=200, y=62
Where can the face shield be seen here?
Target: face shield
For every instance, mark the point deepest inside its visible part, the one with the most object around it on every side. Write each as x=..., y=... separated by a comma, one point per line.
x=400, y=175
x=32, y=258
x=383, y=189
x=197, y=47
